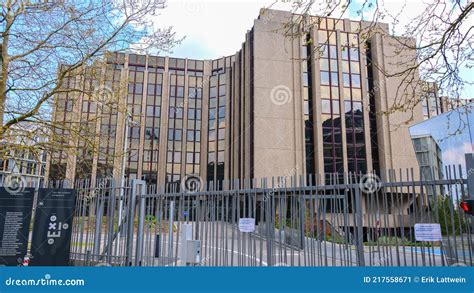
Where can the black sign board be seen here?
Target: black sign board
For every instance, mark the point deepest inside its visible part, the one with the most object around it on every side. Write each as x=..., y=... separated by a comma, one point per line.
x=15, y=217
x=51, y=241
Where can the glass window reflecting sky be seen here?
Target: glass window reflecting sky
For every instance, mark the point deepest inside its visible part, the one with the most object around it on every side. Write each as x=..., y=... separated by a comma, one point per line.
x=452, y=131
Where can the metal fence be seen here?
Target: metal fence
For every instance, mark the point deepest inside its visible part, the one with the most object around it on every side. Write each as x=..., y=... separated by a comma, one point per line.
x=349, y=221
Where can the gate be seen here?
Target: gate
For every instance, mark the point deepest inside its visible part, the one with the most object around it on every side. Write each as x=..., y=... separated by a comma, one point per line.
x=351, y=220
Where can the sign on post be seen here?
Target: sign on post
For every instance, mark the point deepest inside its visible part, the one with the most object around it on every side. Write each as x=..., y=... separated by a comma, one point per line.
x=51, y=241
x=428, y=232
x=15, y=217
x=247, y=225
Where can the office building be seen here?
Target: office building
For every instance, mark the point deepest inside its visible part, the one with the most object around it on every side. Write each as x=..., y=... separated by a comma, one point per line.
x=428, y=154
x=311, y=104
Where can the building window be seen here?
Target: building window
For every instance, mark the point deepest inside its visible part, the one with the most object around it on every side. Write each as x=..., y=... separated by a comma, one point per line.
x=354, y=53
x=346, y=80
x=355, y=78
x=325, y=78
x=326, y=106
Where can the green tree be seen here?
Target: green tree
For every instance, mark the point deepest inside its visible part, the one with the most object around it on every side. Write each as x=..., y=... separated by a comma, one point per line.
x=451, y=219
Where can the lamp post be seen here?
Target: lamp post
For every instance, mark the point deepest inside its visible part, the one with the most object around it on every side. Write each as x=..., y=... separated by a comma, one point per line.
x=128, y=120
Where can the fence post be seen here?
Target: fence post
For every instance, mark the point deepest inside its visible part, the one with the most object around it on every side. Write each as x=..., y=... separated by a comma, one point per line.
x=141, y=220
x=170, y=231
x=301, y=208
x=130, y=222
x=359, y=227
x=111, y=216
x=98, y=223
x=270, y=226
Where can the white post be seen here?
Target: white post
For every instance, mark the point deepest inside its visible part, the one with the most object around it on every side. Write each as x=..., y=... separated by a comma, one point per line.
x=186, y=234
x=170, y=230
x=122, y=183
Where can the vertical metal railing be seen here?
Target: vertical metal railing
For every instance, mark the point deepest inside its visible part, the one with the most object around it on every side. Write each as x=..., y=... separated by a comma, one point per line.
x=298, y=222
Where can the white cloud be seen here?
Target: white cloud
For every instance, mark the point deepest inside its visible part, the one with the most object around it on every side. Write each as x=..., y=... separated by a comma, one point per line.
x=455, y=155
x=400, y=13
x=217, y=28
x=212, y=28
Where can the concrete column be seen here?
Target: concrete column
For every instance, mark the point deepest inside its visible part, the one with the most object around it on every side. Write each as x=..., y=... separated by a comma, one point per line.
x=142, y=121
x=163, y=148
x=205, y=118
x=317, y=120
x=365, y=105
x=121, y=117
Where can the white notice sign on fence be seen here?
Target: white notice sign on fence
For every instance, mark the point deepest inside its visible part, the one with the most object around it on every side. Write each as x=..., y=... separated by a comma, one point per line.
x=247, y=225
x=428, y=232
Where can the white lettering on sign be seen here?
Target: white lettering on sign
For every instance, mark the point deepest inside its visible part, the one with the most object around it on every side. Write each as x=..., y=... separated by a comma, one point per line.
x=54, y=229
x=247, y=225
x=428, y=232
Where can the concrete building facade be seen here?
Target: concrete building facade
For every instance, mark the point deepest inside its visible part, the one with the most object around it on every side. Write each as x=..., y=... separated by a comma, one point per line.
x=316, y=103
x=434, y=104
